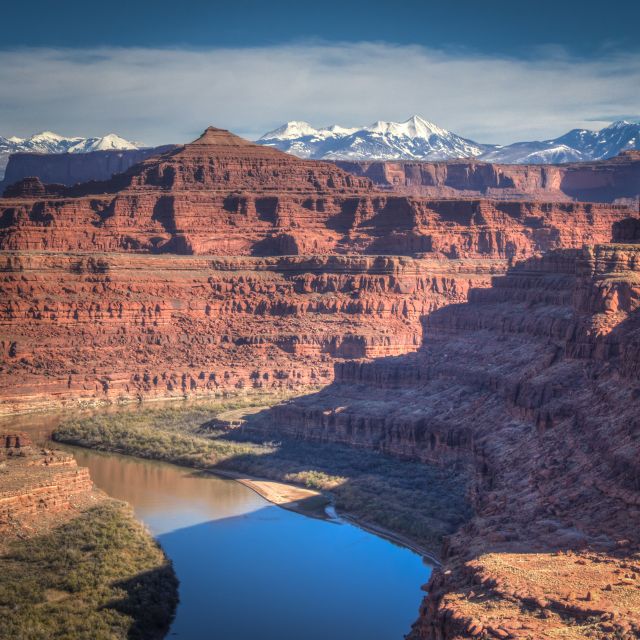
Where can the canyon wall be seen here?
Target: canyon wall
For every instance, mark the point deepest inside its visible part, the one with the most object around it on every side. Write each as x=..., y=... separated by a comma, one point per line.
x=107, y=327
x=499, y=336
x=188, y=222
x=602, y=181
x=225, y=265
x=72, y=168
x=532, y=387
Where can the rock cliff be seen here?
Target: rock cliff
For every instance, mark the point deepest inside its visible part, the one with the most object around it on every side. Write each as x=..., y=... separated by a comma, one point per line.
x=72, y=168
x=532, y=386
x=38, y=487
x=223, y=265
x=602, y=181
x=225, y=196
x=104, y=327
x=500, y=336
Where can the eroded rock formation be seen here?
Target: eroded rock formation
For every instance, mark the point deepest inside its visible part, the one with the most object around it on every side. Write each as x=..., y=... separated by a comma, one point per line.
x=225, y=196
x=103, y=327
x=223, y=265
x=603, y=181
x=532, y=385
x=39, y=487
x=311, y=266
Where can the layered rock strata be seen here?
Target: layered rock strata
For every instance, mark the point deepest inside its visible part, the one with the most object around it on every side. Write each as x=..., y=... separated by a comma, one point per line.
x=602, y=181
x=39, y=487
x=532, y=386
x=72, y=168
x=225, y=196
x=108, y=293
x=473, y=332
x=599, y=181
x=109, y=327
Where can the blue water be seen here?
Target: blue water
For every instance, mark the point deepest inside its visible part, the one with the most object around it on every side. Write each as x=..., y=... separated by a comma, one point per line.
x=251, y=571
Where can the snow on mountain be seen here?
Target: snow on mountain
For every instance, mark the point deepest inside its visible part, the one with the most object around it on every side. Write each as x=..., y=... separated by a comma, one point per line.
x=419, y=139
x=290, y=131
x=415, y=138
x=574, y=146
x=337, y=130
x=109, y=142
x=414, y=127
x=550, y=152
x=50, y=142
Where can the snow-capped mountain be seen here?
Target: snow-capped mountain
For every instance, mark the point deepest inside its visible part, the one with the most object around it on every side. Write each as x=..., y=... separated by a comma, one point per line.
x=418, y=139
x=49, y=142
x=415, y=139
x=574, y=146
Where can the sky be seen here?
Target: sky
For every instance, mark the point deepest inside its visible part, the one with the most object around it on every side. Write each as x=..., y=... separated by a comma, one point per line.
x=160, y=72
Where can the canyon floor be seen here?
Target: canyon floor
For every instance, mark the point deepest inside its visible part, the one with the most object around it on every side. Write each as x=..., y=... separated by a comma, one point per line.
x=464, y=370
x=420, y=505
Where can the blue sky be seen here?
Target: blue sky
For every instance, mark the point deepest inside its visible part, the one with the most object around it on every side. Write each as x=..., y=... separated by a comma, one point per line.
x=494, y=26
x=161, y=71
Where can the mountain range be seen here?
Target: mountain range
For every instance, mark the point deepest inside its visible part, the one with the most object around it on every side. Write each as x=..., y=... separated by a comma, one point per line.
x=414, y=139
x=419, y=139
x=49, y=142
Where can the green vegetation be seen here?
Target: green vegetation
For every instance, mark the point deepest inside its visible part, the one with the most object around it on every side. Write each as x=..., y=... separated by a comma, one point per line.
x=100, y=576
x=417, y=501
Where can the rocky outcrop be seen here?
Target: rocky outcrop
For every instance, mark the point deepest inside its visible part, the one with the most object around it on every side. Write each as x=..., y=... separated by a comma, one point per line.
x=73, y=168
x=108, y=293
x=602, y=181
x=38, y=487
x=109, y=327
x=499, y=336
x=225, y=196
x=532, y=386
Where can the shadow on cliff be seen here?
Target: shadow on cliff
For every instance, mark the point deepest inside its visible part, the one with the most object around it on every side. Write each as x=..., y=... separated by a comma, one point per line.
x=420, y=502
x=375, y=405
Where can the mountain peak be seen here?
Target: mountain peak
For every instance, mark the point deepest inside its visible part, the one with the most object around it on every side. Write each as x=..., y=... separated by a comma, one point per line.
x=290, y=130
x=415, y=138
x=413, y=127
x=219, y=138
x=49, y=136
x=619, y=124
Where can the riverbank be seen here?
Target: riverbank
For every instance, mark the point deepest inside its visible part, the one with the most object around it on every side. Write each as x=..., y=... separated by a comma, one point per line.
x=74, y=563
x=408, y=502
x=315, y=504
x=308, y=502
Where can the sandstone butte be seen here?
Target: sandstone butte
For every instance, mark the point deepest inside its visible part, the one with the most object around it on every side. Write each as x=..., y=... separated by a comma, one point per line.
x=502, y=335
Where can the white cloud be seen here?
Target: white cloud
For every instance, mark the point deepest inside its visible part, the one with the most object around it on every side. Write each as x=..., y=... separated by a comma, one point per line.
x=170, y=95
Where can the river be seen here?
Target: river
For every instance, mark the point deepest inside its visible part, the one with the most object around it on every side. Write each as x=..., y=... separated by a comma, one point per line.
x=250, y=570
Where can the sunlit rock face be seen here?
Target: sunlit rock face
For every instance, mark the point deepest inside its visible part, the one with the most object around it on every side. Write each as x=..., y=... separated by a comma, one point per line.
x=616, y=179
x=498, y=335
x=224, y=264
x=38, y=487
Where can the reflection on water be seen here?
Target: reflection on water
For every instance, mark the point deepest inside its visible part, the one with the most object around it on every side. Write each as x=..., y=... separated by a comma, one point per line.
x=167, y=497
x=250, y=570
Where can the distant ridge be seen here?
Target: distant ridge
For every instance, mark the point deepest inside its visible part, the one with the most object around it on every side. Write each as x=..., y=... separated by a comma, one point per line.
x=50, y=142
